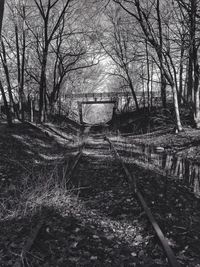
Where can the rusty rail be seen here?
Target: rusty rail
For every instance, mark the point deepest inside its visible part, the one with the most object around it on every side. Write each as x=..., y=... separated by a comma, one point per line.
x=133, y=184
x=76, y=161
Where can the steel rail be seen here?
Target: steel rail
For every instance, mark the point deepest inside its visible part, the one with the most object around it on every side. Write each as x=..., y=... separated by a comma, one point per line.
x=76, y=161
x=77, y=157
x=133, y=183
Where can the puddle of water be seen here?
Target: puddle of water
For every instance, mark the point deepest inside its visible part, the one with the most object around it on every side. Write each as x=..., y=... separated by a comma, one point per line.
x=182, y=169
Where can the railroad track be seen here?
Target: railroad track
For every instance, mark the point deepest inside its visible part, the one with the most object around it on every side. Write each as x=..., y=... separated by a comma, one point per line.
x=132, y=185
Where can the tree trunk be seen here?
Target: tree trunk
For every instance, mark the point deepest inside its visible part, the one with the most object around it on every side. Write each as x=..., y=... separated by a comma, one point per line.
x=152, y=68
x=1, y=13
x=132, y=91
x=6, y=70
x=160, y=56
x=42, y=88
x=23, y=64
x=180, y=93
x=21, y=110
x=194, y=57
x=196, y=91
x=31, y=111
x=7, y=110
x=176, y=106
x=148, y=77
x=163, y=89
x=190, y=80
x=8, y=114
x=143, y=88
x=197, y=109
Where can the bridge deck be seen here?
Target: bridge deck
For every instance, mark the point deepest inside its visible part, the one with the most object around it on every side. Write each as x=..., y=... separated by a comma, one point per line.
x=98, y=95
x=98, y=102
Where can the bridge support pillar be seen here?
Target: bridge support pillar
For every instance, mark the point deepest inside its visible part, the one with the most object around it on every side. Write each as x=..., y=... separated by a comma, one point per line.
x=117, y=103
x=80, y=112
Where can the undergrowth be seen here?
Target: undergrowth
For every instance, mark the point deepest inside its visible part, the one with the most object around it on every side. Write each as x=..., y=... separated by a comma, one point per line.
x=38, y=190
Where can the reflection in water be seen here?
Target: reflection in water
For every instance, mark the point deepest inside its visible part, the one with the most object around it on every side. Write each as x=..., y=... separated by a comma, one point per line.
x=180, y=168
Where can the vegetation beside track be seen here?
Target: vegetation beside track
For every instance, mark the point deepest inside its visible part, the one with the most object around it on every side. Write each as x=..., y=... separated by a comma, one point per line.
x=147, y=121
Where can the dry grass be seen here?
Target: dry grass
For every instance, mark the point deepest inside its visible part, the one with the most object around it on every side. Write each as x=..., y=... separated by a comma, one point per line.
x=42, y=189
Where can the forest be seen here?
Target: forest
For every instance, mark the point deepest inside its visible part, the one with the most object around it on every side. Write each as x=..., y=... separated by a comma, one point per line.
x=49, y=48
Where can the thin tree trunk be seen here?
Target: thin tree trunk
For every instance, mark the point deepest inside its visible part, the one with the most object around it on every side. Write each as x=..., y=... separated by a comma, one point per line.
x=31, y=110
x=1, y=13
x=176, y=106
x=7, y=110
x=42, y=88
x=181, y=76
x=196, y=92
x=152, y=85
x=19, y=72
x=148, y=78
x=159, y=51
x=190, y=79
x=8, y=114
x=197, y=109
x=5, y=67
x=23, y=62
x=143, y=87
x=163, y=89
x=196, y=68
x=132, y=91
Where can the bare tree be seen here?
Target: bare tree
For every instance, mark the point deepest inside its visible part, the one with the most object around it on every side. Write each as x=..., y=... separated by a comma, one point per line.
x=191, y=15
x=21, y=55
x=3, y=56
x=2, y=2
x=49, y=29
x=144, y=17
x=70, y=53
x=8, y=114
x=119, y=46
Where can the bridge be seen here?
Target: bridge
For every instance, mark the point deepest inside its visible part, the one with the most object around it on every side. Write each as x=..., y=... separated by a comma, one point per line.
x=115, y=98
x=119, y=100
